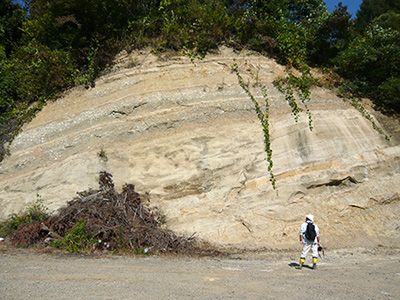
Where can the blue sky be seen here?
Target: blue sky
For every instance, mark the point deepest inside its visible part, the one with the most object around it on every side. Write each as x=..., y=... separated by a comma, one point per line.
x=352, y=5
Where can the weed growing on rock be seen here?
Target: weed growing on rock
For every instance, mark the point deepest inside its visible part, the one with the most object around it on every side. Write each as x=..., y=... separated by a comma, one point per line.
x=102, y=155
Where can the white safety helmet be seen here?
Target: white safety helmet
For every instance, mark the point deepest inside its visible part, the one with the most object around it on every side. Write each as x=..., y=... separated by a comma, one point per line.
x=310, y=217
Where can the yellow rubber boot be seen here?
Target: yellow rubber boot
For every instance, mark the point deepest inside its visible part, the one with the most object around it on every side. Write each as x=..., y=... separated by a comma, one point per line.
x=314, y=260
x=300, y=266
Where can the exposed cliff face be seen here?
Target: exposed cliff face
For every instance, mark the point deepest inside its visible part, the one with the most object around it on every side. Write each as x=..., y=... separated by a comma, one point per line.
x=189, y=136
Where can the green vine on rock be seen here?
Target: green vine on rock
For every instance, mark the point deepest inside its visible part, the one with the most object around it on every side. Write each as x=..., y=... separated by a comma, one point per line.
x=264, y=119
x=302, y=86
x=287, y=89
x=267, y=139
x=289, y=86
x=357, y=105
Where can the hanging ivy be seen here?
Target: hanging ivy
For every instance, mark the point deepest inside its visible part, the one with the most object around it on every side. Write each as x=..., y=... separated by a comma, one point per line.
x=286, y=88
x=290, y=86
x=302, y=86
x=263, y=116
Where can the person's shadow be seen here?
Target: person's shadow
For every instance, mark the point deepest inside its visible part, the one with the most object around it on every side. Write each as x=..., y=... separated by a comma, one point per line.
x=292, y=265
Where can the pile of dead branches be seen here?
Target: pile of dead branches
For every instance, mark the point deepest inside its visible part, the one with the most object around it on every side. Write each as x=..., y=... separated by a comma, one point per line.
x=119, y=221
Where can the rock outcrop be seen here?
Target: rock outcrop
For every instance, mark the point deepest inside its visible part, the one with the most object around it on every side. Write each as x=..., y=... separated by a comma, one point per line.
x=187, y=134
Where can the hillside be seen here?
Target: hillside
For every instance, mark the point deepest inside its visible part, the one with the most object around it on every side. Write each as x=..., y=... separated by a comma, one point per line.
x=186, y=133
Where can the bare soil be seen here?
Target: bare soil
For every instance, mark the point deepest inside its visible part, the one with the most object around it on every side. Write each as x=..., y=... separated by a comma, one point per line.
x=341, y=274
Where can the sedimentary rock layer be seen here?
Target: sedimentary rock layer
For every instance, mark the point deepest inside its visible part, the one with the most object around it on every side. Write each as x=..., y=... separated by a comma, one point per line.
x=186, y=133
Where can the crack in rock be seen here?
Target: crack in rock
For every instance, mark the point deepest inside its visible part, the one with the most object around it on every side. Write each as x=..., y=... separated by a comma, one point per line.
x=335, y=182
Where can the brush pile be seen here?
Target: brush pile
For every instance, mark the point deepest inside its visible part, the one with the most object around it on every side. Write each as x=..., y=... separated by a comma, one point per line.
x=109, y=220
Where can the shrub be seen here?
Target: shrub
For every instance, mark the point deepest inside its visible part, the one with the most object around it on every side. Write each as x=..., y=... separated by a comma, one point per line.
x=80, y=239
x=389, y=94
x=33, y=214
x=371, y=66
x=27, y=234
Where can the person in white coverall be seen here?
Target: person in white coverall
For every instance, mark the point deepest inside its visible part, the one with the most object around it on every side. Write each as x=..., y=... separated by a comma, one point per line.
x=307, y=244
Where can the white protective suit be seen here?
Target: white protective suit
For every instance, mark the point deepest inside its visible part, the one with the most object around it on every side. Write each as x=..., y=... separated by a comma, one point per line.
x=309, y=245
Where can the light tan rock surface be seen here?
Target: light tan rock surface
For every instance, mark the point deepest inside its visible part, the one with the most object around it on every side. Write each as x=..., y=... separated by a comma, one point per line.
x=187, y=134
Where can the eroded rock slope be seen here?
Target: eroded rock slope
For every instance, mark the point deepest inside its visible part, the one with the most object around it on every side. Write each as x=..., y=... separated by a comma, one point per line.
x=187, y=134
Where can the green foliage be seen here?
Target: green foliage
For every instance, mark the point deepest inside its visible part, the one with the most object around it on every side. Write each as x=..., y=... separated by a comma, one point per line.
x=79, y=240
x=74, y=24
x=141, y=251
x=12, y=16
x=37, y=212
x=88, y=73
x=290, y=87
x=388, y=20
x=263, y=116
x=331, y=36
x=7, y=89
x=45, y=72
x=34, y=213
x=196, y=25
x=371, y=65
x=283, y=28
x=356, y=103
x=292, y=42
x=389, y=94
x=301, y=85
x=298, y=11
x=371, y=9
x=286, y=88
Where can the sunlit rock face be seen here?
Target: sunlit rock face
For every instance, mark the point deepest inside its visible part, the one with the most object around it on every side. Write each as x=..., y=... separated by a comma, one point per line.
x=186, y=133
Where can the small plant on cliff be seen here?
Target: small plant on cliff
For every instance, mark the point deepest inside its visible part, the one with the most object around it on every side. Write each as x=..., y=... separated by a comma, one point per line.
x=102, y=155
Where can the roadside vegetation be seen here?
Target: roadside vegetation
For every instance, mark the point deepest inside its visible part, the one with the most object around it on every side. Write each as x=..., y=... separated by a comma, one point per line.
x=34, y=213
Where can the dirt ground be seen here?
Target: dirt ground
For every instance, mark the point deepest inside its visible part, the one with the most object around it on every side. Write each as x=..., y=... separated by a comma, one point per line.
x=341, y=274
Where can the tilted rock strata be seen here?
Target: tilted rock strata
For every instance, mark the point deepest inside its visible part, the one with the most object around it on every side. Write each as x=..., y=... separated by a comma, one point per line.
x=187, y=134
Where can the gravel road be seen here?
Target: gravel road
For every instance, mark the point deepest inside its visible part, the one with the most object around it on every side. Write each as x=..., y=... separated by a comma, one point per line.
x=342, y=274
